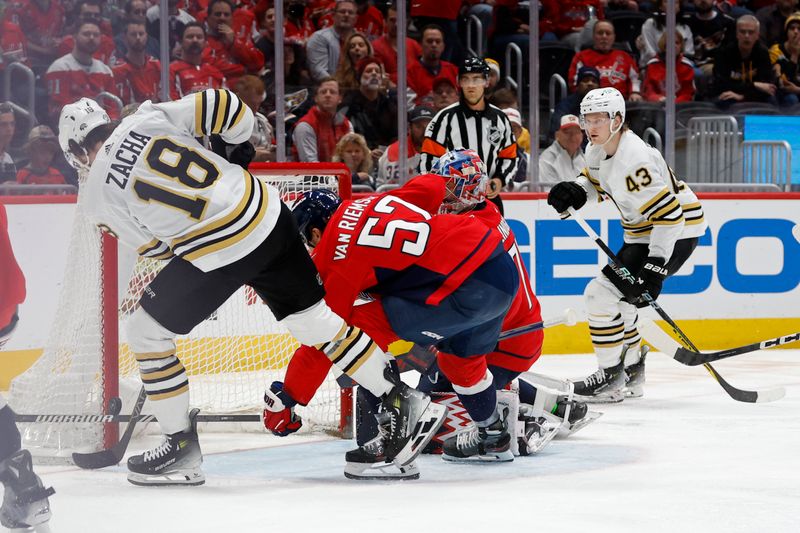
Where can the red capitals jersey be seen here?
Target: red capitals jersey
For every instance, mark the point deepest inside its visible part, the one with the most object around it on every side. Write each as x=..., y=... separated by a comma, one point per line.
x=13, y=45
x=137, y=84
x=68, y=80
x=242, y=57
x=39, y=25
x=617, y=69
x=106, y=52
x=185, y=78
x=12, y=282
x=390, y=243
x=376, y=245
x=517, y=353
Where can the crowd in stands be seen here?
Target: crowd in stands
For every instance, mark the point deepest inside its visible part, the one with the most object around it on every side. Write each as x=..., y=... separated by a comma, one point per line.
x=340, y=66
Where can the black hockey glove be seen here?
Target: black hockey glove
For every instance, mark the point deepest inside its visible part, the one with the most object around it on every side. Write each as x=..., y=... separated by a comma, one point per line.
x=652, y=275
x=566, y=194
x=238, y=154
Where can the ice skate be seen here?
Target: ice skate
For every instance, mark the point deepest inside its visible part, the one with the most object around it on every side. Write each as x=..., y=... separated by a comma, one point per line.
x=604, y=386
x=369, y=462
x=537, y=431
x=490, y=444
x=634, y=375
x=410, y=420
x=176, y=461
x=25, y=501
x=577, y=412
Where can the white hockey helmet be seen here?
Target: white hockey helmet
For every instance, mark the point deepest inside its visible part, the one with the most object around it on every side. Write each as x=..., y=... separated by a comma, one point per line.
x=606, y=100
x=76, y=121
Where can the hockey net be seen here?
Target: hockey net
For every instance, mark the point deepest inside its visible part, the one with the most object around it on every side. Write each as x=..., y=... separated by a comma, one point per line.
x=230, y=357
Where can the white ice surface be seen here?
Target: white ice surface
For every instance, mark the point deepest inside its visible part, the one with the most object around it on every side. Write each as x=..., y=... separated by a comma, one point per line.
x=685, y=458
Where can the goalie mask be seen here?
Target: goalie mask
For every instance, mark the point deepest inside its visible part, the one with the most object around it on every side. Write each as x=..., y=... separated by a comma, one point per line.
x=314, y=209
x=466, y=179
x=77, y=120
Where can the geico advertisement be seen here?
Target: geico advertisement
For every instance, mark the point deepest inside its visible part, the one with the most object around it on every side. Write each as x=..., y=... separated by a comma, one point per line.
x=746, y=265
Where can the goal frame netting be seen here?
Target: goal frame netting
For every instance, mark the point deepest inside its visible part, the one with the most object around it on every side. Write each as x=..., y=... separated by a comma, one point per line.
x=112, y=386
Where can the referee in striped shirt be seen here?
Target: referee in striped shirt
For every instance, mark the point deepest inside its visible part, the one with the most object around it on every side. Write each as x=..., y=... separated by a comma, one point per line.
x=474, y=123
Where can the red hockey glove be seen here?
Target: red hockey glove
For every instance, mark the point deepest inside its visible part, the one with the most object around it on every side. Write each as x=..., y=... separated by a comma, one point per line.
x=278, y=416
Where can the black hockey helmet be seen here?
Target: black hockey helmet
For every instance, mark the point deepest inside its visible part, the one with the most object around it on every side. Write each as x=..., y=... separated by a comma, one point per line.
x=474, y=65
x=314, y=209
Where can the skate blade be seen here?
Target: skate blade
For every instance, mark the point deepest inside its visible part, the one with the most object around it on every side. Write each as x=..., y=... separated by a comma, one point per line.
x=428, y=424
x=501, y=457
x=380, y=471
x=604, y=397
x=637, y=391
x=536, y=444
x=573, y=428
x=192, y=477
x=41, y=528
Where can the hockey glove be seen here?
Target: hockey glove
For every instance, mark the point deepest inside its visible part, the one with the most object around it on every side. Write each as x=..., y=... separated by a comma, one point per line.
x=652, y=275
x=566, y=194
x=279, y=415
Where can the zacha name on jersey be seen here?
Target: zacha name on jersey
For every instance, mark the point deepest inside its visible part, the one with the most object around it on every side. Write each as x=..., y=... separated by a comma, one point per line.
x=128, y=153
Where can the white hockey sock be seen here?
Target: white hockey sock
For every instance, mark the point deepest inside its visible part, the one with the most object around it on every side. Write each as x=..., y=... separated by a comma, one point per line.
x=167, y=387
x=632, y=337
x=607, y=338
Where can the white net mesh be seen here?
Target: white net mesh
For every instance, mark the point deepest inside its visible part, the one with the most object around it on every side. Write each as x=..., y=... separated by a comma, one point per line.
x=230, y=357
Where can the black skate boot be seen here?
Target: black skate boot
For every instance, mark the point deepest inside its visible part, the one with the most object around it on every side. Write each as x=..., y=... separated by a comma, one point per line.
x=410, y=420
x=176, y=461
x=369, y=462
x=578, y=418
x=25, y=504
x=634, y=375
x=485, y=444
x=537, y=431
x=604, y=386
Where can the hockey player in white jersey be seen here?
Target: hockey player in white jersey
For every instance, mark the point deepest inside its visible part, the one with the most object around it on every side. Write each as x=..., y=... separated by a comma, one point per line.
x=149, y=181
x=662, y=219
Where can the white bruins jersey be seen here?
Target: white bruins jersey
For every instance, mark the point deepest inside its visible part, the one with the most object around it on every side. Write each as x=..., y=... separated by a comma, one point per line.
x=162, y=193
x=656, y=207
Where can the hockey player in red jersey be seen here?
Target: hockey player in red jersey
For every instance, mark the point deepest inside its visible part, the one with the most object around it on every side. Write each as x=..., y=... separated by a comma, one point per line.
x=25, y=503
x=442, y=280
x=507, y=360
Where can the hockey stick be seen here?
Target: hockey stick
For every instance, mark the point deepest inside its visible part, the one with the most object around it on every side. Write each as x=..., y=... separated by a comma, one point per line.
x=97, y=419
x=419, y=358
x=670, y=347
x=739, y=395
x=113, y=455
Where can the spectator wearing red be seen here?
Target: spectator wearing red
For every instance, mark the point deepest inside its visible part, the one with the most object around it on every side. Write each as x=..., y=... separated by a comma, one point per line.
x=42, y=147
x=316, y=134
x=430, y=64
x=13, y=45
x=389, y=163
x=191, y=74
x=78, y=74
x=385, y=47
x=42, y=22
x=617, y=67
x=566, y=18
x=445, y=93
x=246, y=17
x=137, y=75
x=654, y=87
x=90, y=11
x=233, y=56
x=369, y=20
x=298, y=25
